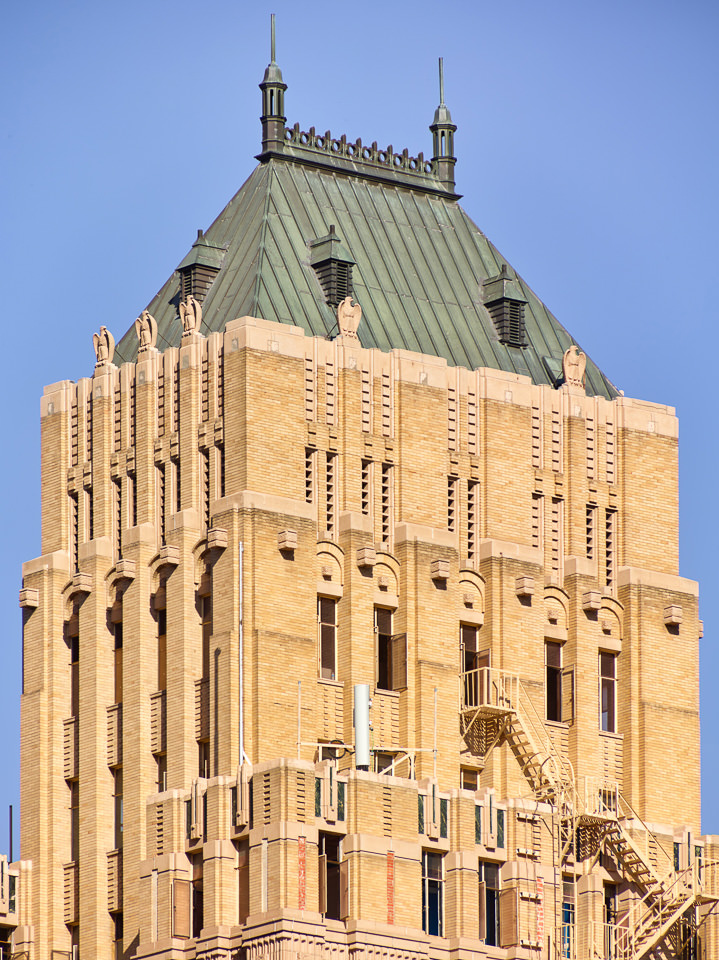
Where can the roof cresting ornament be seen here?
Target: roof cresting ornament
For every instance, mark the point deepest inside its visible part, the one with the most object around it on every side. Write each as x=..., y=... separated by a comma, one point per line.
x=104, y=344
x=348, y=318
x=191, y=316
x=574, y=363
x=146, y=330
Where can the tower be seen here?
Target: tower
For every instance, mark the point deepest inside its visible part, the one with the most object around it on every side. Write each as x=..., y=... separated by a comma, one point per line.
x=366, y=458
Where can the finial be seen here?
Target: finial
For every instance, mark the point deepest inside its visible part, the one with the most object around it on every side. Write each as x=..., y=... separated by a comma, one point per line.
x=272, y=42
x=443, y=159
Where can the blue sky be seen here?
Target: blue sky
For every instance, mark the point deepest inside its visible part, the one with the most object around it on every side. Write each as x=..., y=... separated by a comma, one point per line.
x=587, y=151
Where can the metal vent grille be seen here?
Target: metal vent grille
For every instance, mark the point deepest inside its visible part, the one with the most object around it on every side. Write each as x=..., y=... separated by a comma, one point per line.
x=335, y=277
x=196, y=280
x=508, y=318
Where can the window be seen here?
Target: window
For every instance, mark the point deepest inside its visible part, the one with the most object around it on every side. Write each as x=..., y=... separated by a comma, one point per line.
x=469, y=778
x=382, y=761
x=553, y=667
x=206, y=622
x=118, y=662
x=117, y=936
x=432, y=892
x=568, y=915
x=117, y=806
x=489, y=903
x=391, y=653
x=473, y=662
x=608, y=692
x=74, y=674
x=161, y=760
x=74, y=820
x=329, y=876
x=327, y=620
x=162, y=649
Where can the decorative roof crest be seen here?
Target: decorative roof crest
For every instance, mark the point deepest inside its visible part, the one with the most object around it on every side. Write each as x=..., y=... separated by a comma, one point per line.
x=191, y=316
x=146, y=330
x=574, y=363
x=104, y=344
x=348, y=318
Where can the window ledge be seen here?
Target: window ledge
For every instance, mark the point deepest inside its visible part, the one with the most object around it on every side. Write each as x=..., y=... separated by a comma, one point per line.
x=380, y=691
x=557, y=724
x=330, y=683
x=611, y=736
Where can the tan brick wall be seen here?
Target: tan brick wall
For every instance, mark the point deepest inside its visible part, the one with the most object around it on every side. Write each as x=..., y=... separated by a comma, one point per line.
x=283, y=393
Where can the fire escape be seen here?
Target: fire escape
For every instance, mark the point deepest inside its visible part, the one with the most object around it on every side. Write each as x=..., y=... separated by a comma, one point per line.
x=495, y=707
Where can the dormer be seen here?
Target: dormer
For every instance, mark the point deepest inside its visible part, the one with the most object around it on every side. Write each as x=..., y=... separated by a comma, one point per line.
x=199, y=268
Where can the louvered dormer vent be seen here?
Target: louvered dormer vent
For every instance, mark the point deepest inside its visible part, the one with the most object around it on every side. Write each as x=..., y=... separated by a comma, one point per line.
x=333, y=267
x=199, y=268
x=505, y=304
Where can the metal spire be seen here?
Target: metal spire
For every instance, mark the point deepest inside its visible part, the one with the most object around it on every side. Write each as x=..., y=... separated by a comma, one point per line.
x=272, y=43
x=441, y=72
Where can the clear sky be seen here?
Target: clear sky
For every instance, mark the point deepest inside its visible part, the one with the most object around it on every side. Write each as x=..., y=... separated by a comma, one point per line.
x=587, y=150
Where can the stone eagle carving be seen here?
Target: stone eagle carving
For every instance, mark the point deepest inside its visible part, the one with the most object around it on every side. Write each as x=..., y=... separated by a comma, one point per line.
x=104, y=344
x=348, y=318
x=146, y=330
x=191, y=316
x=574, y=363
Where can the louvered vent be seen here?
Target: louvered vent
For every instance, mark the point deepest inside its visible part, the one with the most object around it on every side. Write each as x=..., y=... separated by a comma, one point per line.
x=196, y=280
x=335, y=278
x=508, y=317
x=333, y=267
x=505, y=303
x=199, y=268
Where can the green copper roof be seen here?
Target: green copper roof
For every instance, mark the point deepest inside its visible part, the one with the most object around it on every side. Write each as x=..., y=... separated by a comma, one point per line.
x=419, y=266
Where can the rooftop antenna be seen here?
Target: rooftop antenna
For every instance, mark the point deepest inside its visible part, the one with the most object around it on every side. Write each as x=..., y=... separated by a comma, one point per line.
x=272, y=42
x=441, y=68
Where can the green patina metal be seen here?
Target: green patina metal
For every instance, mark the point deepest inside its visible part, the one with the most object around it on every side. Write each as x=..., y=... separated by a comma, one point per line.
x=422, y=271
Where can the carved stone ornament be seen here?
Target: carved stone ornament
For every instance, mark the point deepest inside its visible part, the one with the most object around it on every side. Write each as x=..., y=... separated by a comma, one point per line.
x=574, y=363
x=348, y=318
x=191, y=316
x=146, y=330
x=104, y=344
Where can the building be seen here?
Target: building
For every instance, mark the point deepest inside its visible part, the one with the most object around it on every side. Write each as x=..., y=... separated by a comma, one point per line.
x=357, y=626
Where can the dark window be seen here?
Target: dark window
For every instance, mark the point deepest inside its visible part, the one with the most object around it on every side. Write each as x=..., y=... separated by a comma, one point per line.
x=383, y=761
x=489, y=903
x=74, y=820
x=468, y=636
x=568, y=915
x=553, y=663
x=161, y=760
x=74, y=675
x=330, y=875
x=327, y=618
x=118, y=662
x=117, y=936
x=161, y=649
x=117, y=807
x=206, y=620
x=432, y=893
x=469, y=778
x=391, y=653
x=608, y=691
